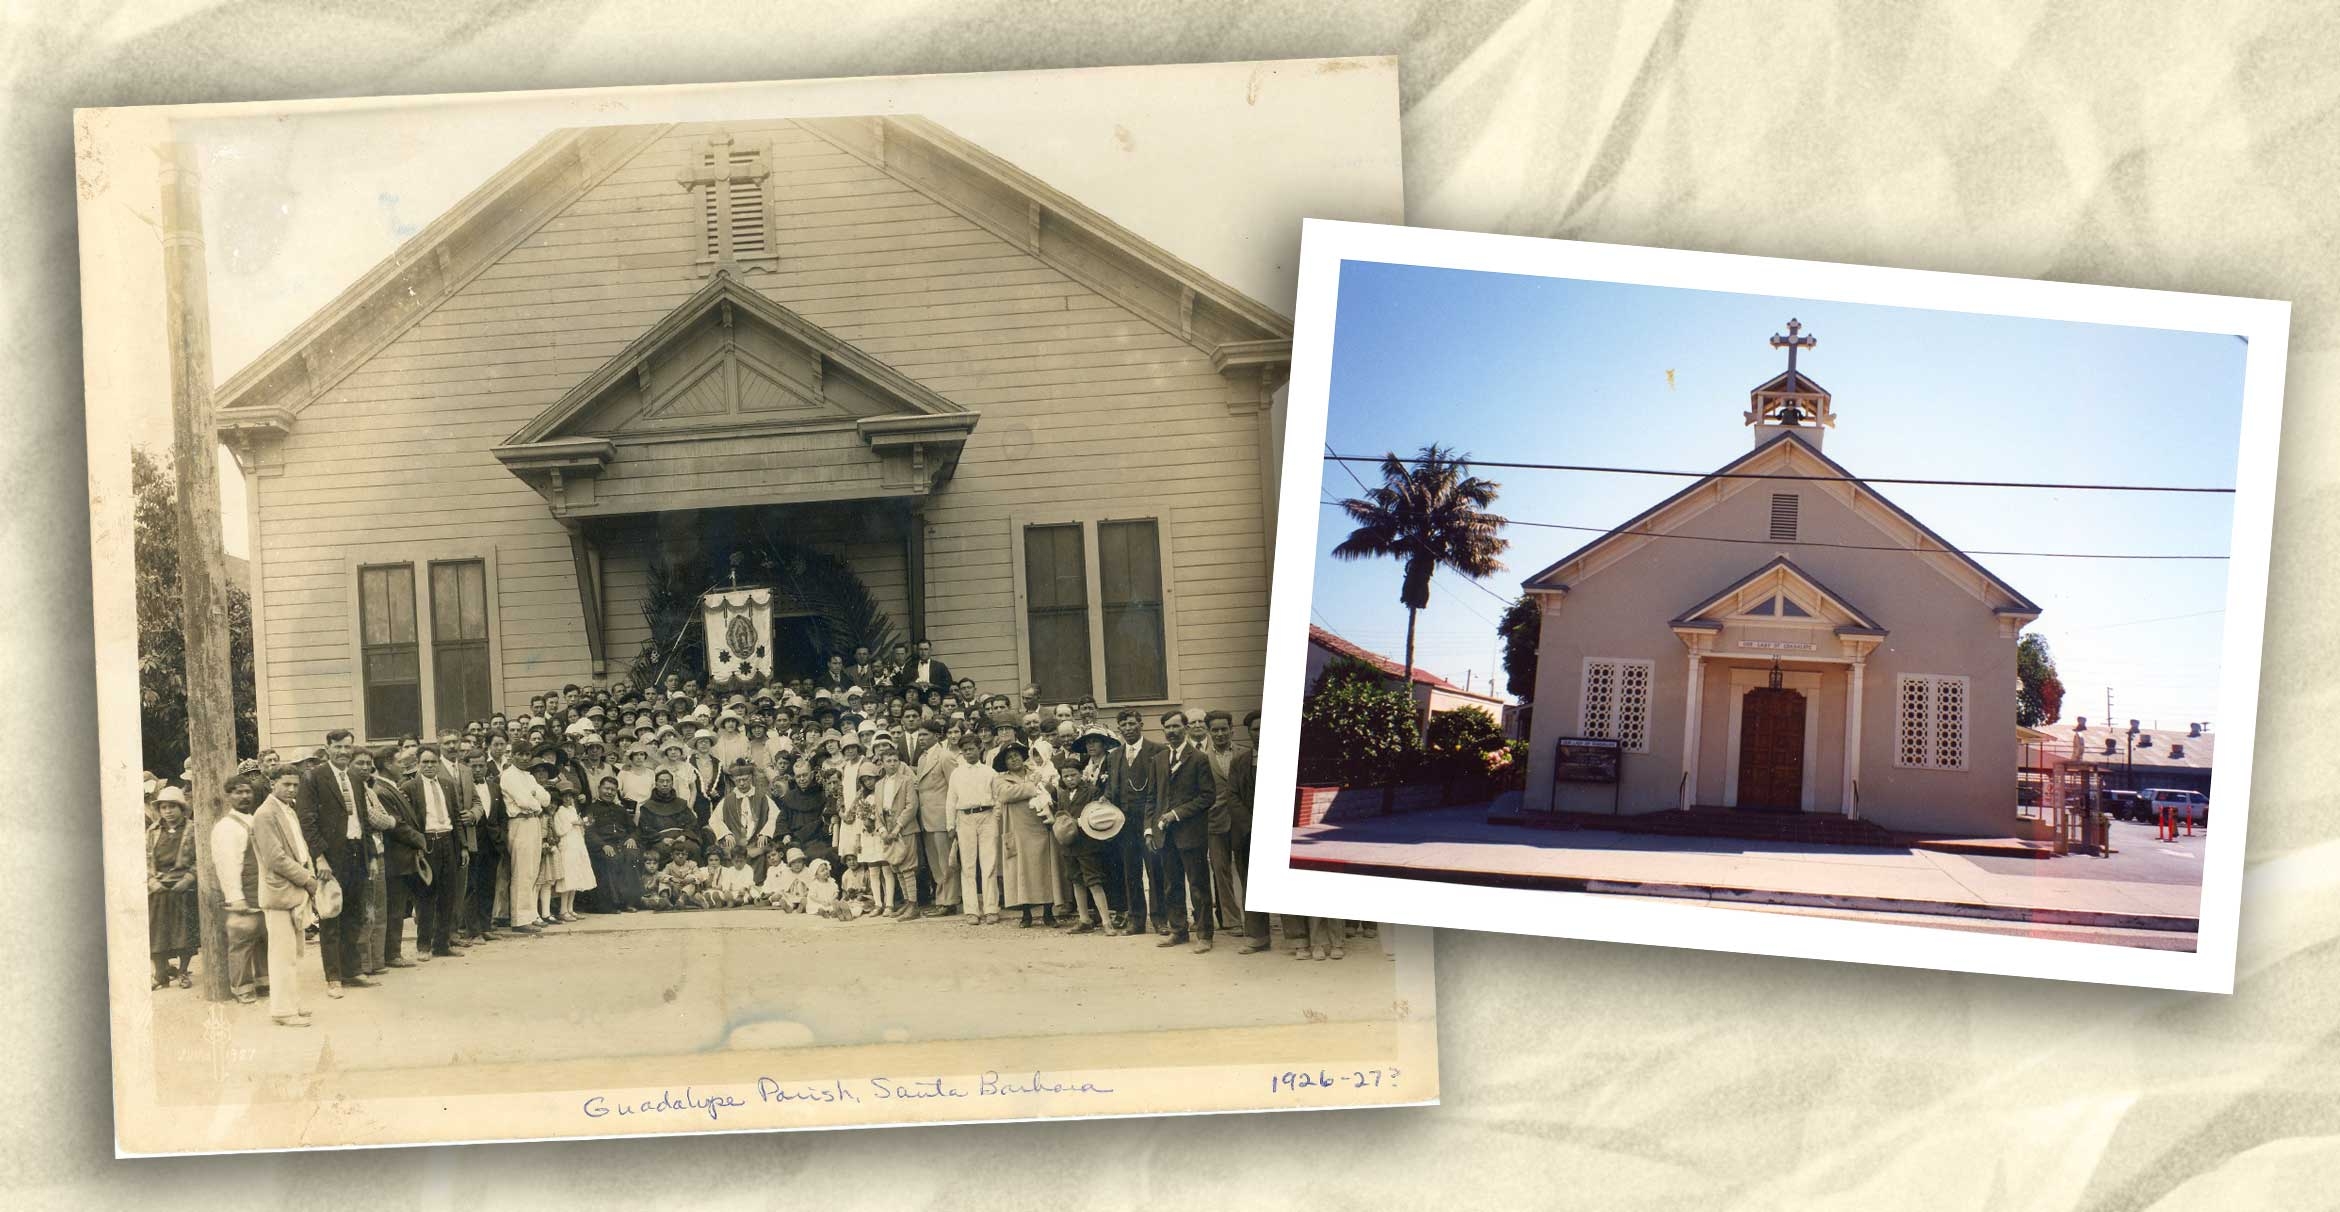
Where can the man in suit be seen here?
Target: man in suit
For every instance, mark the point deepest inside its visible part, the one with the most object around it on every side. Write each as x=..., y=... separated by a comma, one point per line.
x=923, y=673
x=1180, y=828
x=931, y=764
x=402, y=844
x=438, y=799
x=484, y=800
x=281, y=852
x=333, y=828
x=1135, y=769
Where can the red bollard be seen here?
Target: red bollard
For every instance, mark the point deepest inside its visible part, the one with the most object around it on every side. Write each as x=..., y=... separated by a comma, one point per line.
x=2162, y=831
x=2189, y=810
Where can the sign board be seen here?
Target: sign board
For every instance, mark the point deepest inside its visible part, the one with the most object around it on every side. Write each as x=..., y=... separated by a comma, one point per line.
x=1586, y=759
x=1778, y=645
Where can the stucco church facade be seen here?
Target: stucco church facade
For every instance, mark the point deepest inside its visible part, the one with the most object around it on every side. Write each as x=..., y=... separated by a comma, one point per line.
x=1780, y=637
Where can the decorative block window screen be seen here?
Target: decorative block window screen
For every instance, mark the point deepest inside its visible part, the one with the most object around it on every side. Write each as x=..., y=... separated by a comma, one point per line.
x=1930, y=729
x=1616, y=700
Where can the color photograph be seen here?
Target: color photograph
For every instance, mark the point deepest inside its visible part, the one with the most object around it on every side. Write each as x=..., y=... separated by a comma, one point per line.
x=1789, y=601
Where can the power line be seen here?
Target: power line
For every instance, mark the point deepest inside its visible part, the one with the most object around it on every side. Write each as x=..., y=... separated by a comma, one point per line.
x=1700, y=538
x=1345, y=460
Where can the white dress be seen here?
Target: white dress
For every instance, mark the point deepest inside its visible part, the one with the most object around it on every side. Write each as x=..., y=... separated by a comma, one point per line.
x=576, y=866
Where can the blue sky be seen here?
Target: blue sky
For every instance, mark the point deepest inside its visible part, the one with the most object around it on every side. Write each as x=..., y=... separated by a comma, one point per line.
x=1555, y=370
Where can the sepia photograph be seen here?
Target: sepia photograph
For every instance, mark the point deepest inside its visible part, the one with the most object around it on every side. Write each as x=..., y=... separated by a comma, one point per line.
x=1617, y=617
x=711, y=609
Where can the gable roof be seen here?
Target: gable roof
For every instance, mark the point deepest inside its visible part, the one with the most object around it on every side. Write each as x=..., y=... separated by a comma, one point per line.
x=1860, y=619
x=1389, y=668
x=2019, y=604
x=544, y=181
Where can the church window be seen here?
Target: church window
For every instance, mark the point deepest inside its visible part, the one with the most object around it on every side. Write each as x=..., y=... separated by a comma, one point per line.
x=1785, y=507
x=1788, y=607
x=1930, y=732
x=1094, y=597
x=1616, y=701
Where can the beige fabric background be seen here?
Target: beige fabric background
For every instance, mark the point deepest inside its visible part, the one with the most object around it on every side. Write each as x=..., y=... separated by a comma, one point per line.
x=2147, y=146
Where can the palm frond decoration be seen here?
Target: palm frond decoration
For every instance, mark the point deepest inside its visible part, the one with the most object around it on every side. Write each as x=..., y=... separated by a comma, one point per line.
x=804, y=580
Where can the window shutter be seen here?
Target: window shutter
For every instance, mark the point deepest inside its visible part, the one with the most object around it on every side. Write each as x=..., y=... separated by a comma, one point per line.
x=749, y=237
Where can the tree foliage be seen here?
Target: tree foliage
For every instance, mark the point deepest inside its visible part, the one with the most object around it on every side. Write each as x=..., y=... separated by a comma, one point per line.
x=1427, y=513
x=162, y=645
x=1342, y=670
x=2039, y=693
x=1522, y=629
x=1356, y=734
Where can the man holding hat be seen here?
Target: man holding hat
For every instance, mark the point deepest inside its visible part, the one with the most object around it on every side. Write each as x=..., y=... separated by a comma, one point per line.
x=1137, y=765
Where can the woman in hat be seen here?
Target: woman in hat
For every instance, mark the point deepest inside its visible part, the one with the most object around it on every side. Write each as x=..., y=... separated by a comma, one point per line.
x=172, y=934
x=1028, y=852
x=707, y=775
x=616, y=856
x=637, y=776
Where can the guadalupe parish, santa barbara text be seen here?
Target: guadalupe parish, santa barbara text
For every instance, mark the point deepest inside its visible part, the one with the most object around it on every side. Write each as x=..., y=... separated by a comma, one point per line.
x=713, y=1103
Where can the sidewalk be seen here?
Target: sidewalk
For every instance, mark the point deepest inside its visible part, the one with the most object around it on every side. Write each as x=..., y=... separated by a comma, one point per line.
x=1458, y=845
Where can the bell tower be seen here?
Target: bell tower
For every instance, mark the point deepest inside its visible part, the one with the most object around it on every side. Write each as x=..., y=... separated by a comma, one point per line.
x=1790, y=400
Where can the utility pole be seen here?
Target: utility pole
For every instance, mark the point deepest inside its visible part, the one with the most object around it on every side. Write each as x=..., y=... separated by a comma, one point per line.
x=203, y=604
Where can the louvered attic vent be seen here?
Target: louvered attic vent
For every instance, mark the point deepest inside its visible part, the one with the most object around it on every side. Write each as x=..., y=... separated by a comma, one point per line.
x=1784, y=508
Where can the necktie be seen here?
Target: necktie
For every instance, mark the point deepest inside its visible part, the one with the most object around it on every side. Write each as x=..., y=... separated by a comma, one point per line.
x=349, y=801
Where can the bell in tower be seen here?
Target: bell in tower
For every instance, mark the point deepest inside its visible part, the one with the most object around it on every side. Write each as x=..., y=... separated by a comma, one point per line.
x=1790, y=400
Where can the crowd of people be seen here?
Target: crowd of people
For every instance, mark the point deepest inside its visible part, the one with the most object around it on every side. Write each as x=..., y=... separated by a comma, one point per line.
x=882, y=789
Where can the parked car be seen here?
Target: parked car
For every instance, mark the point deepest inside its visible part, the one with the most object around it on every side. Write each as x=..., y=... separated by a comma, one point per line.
x=2182, y=805
x=2127, y=806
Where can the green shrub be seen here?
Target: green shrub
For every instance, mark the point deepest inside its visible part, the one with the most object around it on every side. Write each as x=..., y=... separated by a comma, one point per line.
x=1465, y=752
x=1355, y=734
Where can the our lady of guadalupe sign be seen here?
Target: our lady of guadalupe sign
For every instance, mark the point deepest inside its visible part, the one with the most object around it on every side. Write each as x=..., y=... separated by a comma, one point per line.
x=739, y=633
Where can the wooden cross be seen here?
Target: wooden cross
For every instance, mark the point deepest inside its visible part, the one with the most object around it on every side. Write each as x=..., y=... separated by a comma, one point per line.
x=1793, y=341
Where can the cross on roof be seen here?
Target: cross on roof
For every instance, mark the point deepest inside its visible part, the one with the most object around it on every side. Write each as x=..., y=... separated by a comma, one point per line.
x=1793, y=341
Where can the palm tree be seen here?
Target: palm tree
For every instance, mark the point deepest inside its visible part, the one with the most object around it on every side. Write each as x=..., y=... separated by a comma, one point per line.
x=1428, y=515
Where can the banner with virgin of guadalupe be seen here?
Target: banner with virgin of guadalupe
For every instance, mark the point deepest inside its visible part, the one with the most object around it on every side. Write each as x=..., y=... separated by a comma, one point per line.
x=739, y=633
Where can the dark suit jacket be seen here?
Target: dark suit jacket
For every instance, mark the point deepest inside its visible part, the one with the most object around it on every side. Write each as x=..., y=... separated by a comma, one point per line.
x=492, y=818
x=939, y=680
x=1183, y=807
x=1139, y=778
x=325, y=818
x=451, y=790
x=403, y=841
x=1244, y=773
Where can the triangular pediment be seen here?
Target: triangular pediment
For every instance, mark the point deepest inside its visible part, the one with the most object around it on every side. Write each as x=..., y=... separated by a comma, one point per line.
x=1778, y=593
x=729, y=357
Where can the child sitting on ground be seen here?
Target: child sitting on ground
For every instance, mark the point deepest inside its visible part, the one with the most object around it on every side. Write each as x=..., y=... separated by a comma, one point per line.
x=820, y=891
x=784, y=884
x=734, y=883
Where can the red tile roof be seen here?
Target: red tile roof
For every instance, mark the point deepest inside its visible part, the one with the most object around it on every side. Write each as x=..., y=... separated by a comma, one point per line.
x=1394, y=669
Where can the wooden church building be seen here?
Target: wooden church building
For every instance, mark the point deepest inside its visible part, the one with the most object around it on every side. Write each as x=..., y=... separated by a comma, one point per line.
x=1037, y=440
x=1834, y=656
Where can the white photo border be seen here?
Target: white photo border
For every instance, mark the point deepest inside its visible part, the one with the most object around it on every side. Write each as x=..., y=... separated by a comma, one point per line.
x=1274, y=886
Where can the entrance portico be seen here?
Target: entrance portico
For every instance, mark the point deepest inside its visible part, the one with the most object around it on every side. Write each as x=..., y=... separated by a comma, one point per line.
x=1772, y=656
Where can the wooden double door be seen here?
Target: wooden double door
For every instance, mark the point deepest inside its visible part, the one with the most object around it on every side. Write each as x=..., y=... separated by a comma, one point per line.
x=1771, y=750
